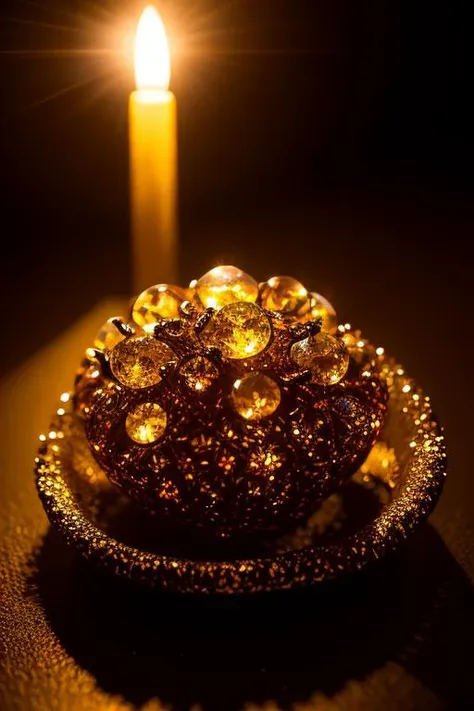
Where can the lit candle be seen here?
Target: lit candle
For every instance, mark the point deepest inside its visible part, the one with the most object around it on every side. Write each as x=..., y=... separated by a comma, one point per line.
x=153, y=158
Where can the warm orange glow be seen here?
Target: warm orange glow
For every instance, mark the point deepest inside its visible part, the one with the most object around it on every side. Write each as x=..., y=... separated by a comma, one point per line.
x=152, y=57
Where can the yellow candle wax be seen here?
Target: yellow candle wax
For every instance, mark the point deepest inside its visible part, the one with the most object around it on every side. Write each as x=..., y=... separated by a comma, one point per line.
x=153, y=158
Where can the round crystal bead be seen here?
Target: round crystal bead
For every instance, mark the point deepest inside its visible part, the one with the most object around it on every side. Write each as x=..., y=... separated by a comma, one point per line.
x=156, y=303
x=146, y=423
x=136, y=361
x=325, y=356
x=285, y=294
x=239, y=330
x=255, y=396
x=199, y=373
x=225, y=285
x=321, y=308
x=107, y=337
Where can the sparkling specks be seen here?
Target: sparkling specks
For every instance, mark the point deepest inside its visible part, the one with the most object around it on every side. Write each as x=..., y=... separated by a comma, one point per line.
x=421, y=475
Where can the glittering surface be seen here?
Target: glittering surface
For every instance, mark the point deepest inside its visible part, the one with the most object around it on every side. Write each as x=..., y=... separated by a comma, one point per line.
x=245, y=427
x=412, y=433
x=250, y=445
x=252, y=437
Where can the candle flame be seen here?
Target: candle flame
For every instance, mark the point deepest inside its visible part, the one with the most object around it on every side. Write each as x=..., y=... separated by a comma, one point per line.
x=152, y=57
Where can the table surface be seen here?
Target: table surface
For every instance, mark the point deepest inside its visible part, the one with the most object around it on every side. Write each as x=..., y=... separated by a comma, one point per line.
x=395, y=637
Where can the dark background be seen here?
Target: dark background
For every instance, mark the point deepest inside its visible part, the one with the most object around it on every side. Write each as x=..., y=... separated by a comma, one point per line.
x=328, y=140
x=325, y=139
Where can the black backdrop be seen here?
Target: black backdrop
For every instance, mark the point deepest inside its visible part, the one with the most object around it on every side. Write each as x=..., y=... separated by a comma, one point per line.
x=328, y=112
x=331, y=141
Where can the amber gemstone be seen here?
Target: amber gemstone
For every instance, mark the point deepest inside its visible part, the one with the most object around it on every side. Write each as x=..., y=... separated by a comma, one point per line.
x=285, y=294
x=107, y=337
x=136, y=361
x=239, y=330
x=146, y=423
x=199, y=373
x=255, y=396
x=158, y=302
x=321, y=308
x=324, y=355
x=225, y=285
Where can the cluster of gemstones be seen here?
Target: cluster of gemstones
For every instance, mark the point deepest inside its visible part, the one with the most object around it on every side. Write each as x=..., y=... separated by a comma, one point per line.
x=231, y=405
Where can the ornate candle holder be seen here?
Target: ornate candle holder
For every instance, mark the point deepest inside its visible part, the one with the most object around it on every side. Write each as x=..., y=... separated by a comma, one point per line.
x=231, y=437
